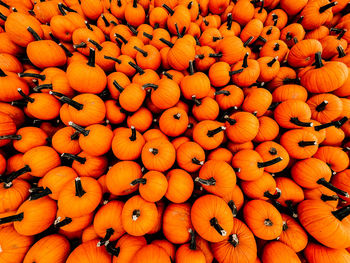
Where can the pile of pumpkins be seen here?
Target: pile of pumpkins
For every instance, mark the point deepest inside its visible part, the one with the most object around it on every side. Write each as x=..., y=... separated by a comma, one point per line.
x=174, y=131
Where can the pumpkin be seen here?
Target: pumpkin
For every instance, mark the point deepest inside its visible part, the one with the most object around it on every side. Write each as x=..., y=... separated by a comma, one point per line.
x=52, y=248
x=151, y=253
x=211, y=218
x=272, y=250
x=263, y=219
x=318, y=253
x=239, y=242
x=293, y=235
x=89, y=252
x=180, y=186
x=126, y=248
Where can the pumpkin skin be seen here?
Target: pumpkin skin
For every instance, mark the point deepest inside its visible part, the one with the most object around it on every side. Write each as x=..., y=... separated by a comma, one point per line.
x=240, y=246
x=177, y=222
x=14, y=245
x=180, y=186
x=138, y=216
x=272, y=253
x=337, y=223
x=211, y=218
x=89, y=252
x=151, y=253
x=217, y=177
x=128, y=246
x=293, y=232
x=318, y=253
x=53, y=248
x=265, y=224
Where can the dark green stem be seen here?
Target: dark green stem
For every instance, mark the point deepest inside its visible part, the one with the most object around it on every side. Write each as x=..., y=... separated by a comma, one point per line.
x=297, y=122
x=269, y=163
x=79, y=191
x=26, y=97
x=79, y=128
x=77, y=158
x=325, y=7
x=214, y=223
x=91, y=61
x=13, y=218
x=211, y=133
x=32, y=75
x=34, y=34
x=144, y=53
x=67, y=100
x=138, y=181
x=341, y=213
x=328, y=185
x=307, y=143
x=321, y=106
x=11, y=137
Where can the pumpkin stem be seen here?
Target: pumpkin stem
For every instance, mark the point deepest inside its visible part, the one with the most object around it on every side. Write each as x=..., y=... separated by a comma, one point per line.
x=295, y=40
x=40, y=194
x=214, y=223
x=190, y=4
x=105, y=240
x=307, y=143
x=318, y=60
x=149, y=36
x=269, y=31
x=75, y=136
x=60, y=8
x=88, y=26
x=44, y=86
x=119, y=3
x=114, y=59
x=289, y=36
x=193, y=238
x=224, y=92
x=121, y=38
x=205, y=22
x=249, y=40
x=261, y=7
x=134, y=4
x=133, y=134
x=216, y=38
x=81, y=45
x=12, y=176
x=26, y=97
x=325, y=7
x=297, y=122
x=191, y=67
x=107, y=24
x=79, y=128
x=284, y=226
x=328, y=185
x=10, y=219
x=144, y=53
x=138, y=181
x=77, y=158
x=229, y=21
x=341, y=52
x=154, y=151
x=268, y=222
x=326, y=198
x=117, y=86
x=274, y=19
x=321, y=106
x=290, y=81
x=262, y=39
x=137, y=68
x=245, y=60
x=277, y=47
x=210, y=181
x=269, y=163
x=177, y=116
x=196, y=161
x=171, y=12
x=32, y=75
x=114, y=251
x=200, y=56
x=233, y=239
x=4, y=4
x=272, y=61
x=79, y=191
x=58, y=223
x=150, y=85
x=132, y=29
x=230, y=120
x=91, y=61
x=168, y=75
x=237, y=170
x=2, y=73
x=136, y=214
x=341, y=122
x=97, y=45
x=11, y=137
x=341, y=213
x=19, y=103
x=235, y=72
x=198, y=43
x=196, y=101
x=217, y=55
x=273, y=196
x=68, y=8
x=178, y=31
x=233, y=208
x=211, y=133
x=272, y=151
x=291, y=208
x=67, y=100
x=34, y=34
x=341, y=34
